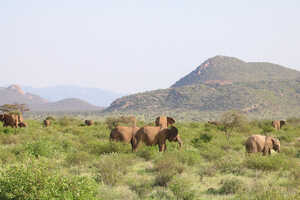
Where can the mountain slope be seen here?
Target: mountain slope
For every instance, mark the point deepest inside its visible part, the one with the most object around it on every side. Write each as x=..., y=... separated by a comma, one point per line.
x=259, y=89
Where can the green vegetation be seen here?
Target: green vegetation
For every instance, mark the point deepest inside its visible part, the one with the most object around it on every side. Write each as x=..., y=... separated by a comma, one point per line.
x=70, y=161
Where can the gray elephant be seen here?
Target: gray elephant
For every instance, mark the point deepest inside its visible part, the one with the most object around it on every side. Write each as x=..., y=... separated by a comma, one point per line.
x=261, y=143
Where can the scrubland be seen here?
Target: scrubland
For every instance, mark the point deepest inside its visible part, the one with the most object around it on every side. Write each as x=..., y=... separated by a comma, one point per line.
x=71, y=161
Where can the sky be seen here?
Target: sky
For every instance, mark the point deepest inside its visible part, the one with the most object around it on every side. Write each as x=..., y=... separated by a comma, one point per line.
x=130, y=46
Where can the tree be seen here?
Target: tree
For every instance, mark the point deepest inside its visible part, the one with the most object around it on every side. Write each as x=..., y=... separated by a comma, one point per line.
x=232, y=120
x=14, y=108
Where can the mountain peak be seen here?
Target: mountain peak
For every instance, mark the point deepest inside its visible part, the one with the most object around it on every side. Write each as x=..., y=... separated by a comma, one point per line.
x=16, y=88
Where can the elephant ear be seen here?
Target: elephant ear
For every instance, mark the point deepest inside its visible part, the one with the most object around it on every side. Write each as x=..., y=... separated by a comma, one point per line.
x=172, y=133
x=157, y=121
x=282, y=122
x=170, y=121
x=268, y=145
x=275, y=144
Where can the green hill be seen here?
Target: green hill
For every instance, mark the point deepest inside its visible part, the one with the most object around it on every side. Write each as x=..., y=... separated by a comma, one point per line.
x=261, y=90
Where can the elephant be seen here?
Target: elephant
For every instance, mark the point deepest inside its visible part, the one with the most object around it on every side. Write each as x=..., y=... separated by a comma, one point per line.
x=89, y=122
x=1, y=117
x=47, y=123
x=261, y=143
x=22, y=124
x=123, y=133
x=155, y=135
x=10, y=120
x=277, y=124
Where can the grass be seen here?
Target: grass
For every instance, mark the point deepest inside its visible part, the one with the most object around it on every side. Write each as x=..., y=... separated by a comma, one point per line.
x=70, y=161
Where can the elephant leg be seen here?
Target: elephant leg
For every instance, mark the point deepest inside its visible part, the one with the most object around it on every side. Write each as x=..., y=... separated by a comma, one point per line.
x=164, y=147
x=266, y=151
x=160, y=147
x=135, y=144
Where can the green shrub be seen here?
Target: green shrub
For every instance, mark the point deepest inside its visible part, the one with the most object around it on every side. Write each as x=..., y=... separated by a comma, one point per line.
x=112, y=167
x=99, y=148
x=167, y=168
x=78, y=158
x=230, y=165
x=231, y=186
x=142, y=189
x=116, y=193
x=39, y=148
x=269, y=163
x=204, y=138
x=35, y=181
x=148, y=152
x=267, y=193
x=51, y=118
x=181, y=188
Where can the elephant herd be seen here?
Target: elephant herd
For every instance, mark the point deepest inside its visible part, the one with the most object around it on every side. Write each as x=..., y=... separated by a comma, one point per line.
x=148, y=135
x=13, y=120
x=158, y=135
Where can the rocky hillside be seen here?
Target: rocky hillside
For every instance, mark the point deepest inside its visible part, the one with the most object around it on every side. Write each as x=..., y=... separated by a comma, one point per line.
x=226, y=70
x=222, y=83
x=14, y=94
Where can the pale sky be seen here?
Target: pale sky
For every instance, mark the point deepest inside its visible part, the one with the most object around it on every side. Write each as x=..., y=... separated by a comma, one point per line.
x=137, y=45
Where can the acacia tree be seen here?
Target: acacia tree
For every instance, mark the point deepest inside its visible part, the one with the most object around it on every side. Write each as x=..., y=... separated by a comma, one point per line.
x=233, y=120
x=14, y=108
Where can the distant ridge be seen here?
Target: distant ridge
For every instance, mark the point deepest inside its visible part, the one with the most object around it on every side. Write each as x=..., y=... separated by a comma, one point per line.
x=14, y=94
x=221, y=83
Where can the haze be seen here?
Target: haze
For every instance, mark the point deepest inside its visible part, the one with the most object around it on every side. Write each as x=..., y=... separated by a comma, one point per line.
x=131, y=46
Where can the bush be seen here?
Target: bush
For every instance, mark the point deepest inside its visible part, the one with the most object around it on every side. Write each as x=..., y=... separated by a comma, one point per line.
x=266, y=193
x=116, y=193
x=78, y=158
x=231, y=186
x=50, y=118
x=112, y=167
x=99, y=148
x=204, y=138
x=167, y=168
x=148, y=152
x=67, y=121
x=40, y=148
x=269, y=163
x=230, y=165
x=181, y=189
x=35, y=181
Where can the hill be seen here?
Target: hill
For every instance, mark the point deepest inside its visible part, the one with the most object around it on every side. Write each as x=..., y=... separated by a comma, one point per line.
x=14, y=94
x=66, y=105
x=95, y=96
x=227, y=70
x=262, y=90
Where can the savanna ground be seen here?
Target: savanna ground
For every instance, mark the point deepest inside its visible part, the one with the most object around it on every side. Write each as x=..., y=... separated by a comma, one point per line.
x=72, y=161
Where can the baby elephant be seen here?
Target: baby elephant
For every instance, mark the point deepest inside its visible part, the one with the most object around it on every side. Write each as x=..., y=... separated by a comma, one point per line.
x=261, y=143
x=22, y=124
x=47, y=123
x=89, y=122
x=277, y=124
